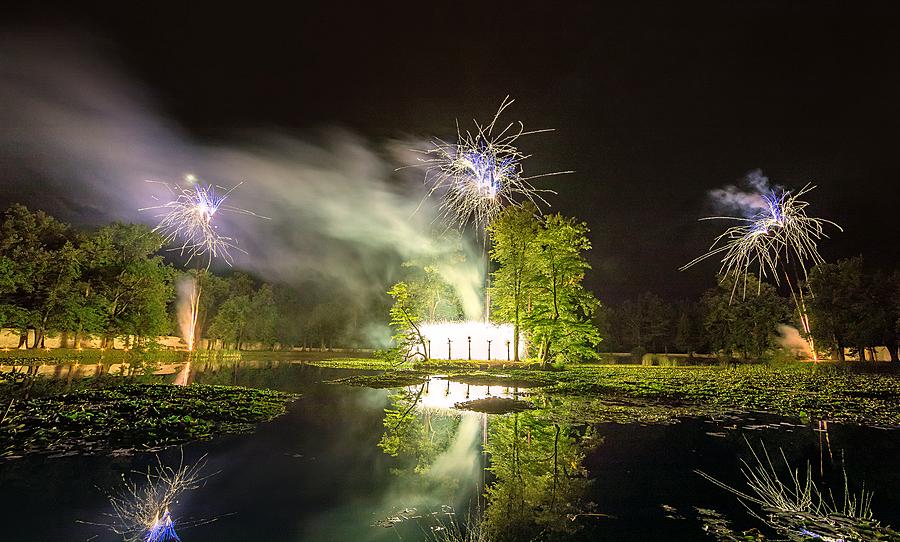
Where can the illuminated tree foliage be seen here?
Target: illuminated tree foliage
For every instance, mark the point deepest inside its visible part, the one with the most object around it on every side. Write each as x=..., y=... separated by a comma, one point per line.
x=515, y=249
x=538, y=283
x=408, y=339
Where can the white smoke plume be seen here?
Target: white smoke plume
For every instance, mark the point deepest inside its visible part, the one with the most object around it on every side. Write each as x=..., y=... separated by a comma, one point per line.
x=747, y=200
x=340, y=214
x=790, y=339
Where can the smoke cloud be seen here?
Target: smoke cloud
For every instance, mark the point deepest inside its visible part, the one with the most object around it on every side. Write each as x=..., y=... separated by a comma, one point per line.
x=791, y=340
x=339, y=213
x=747, y=200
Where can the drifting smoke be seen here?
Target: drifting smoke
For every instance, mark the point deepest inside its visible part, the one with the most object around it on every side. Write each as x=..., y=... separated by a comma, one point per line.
x=748, y=200
x=790, y=339
x=340, y=215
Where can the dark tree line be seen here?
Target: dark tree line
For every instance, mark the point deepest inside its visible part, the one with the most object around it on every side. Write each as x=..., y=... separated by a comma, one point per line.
x=850, y=309
x=114, y=282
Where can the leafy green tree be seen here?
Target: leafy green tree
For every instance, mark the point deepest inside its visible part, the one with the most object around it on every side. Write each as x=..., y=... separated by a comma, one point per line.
x=408, y=339
x=262, y=316
x=836, y=297
x=40, y=265
x=561, y=310
x=516, y=250
x=646, y=322
x=850, y=308
x=745, y=325
x=130, y=284
x=230, y=321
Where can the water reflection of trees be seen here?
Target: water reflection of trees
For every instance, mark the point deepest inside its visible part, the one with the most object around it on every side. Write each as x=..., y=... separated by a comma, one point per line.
x=533, y=485
x=539, y=480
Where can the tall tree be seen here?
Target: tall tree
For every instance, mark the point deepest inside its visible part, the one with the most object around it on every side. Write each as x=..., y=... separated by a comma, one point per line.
x=516, y=251
x=41, y=265
x=837, y=297
x=561, y=310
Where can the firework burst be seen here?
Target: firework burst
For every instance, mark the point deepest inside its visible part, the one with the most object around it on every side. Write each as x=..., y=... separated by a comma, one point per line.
x=481, y=172
x=780, y=232
x=187, y=220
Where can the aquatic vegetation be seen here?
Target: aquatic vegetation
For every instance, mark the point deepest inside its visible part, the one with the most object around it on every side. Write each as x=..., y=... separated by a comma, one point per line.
x=389, y=379
x=353, y=363
x=134, y=417
x=818, y=393
x=495, y=405
x=795, y=506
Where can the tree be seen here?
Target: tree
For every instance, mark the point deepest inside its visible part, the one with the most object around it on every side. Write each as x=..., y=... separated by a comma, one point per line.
x=746, y=325
x=432, y=296
x=646, y=322
x=516, y=251
x=262, y=316
x=561, y=310
x=131, y=285
x=408, y=338
x=230, y=321
x=40, y=265
x=836, y=293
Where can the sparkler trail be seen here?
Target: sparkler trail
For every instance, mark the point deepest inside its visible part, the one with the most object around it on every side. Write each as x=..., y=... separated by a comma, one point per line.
x=781, y=232
x=481, y=172
x=188, y=218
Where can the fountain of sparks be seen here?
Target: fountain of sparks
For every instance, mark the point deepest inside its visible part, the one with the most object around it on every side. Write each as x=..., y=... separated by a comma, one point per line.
x=480, y=174
x=468, y=341
x=780, y=233
x=187, y=222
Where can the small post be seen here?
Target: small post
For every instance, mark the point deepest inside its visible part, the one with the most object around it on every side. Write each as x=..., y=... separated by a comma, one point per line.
x=428, y=352
x=448, y=349
x=507, y=349
x=489, y=350
x=470, y=348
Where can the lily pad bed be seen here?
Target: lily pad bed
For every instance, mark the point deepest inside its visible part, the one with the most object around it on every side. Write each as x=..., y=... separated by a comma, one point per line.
x=134, y=417
x=807, y=392
x=388, y=379
x=495, y=405
x=481, y=378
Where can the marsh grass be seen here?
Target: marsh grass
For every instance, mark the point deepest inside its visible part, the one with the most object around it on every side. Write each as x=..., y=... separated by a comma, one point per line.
x=789, y=501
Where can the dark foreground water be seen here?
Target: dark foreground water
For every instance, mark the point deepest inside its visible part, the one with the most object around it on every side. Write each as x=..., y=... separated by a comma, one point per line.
x=361, y=465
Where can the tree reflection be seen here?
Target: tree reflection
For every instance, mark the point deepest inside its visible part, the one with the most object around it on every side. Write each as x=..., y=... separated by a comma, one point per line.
x=534, y=486
x=539, y=481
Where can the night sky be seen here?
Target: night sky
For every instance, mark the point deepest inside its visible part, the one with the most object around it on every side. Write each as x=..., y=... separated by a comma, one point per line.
x=654, y=104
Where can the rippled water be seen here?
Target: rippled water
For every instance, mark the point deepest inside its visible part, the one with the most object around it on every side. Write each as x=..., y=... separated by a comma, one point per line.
x=359, y=464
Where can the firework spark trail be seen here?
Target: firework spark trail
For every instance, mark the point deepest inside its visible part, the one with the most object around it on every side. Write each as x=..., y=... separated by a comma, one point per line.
x=188, y=219
x=481, y=172
x=141, y=511
x=782, y=231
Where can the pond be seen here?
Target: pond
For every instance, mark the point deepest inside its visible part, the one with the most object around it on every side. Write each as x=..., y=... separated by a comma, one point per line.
x=360, y=464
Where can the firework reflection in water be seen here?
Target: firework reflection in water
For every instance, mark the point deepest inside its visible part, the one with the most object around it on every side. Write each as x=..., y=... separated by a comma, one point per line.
x=142, y=508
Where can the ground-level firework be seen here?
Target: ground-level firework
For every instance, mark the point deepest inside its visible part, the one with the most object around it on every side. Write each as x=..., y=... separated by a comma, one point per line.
x=469, y=340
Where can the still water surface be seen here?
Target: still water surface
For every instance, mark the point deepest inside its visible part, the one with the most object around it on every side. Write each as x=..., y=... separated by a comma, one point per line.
x=352, y=464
